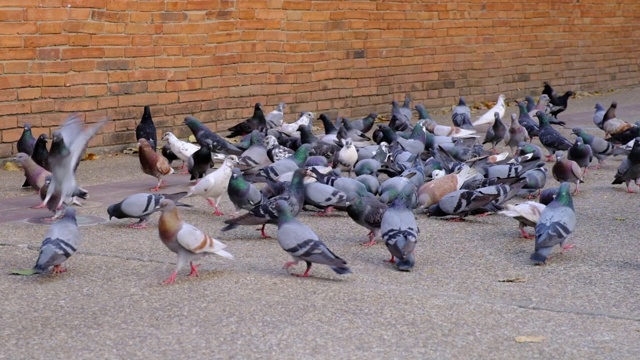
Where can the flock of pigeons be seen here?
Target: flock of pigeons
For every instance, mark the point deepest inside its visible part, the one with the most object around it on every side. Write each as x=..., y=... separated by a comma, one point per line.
x=380, y=180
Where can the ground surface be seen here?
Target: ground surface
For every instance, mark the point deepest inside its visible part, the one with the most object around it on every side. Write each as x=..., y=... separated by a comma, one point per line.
x=111, y=303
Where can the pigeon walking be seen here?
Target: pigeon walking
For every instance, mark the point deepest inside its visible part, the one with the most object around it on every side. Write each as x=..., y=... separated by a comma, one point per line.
x=489, y=117
x=527, y=214
x=202, y=133
x=550, y=137
x=399, y=230
x=366, y=211
x=556, y=223
x=516, y=134
x=565, y=170
x=302, y=243
x=629, y=169
x=256, y=122
x=600, y=147
x=34, y=173
x=184, y=239
x=153, y=163
x=243, y=194
x=140, y=206
x=581, y=153
x=215, y=184
x=496, y=132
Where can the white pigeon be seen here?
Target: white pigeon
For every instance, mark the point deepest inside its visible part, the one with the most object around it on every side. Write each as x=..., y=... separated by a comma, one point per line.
x=292, y=129
x=215, y=184
x=186, y=240
x=527, y=214
x=182, y=149
x=488, y=117
x=444, y=130
x=346, y=158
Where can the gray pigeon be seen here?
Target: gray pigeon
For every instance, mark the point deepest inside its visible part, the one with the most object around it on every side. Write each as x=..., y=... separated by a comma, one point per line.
x=66, y=149
x=556, y=223
x=324, y=197
x=255, y=157
x=581, y=153
x=629, y=169
x=598, y=116
x=515, y=135
x=366, y=211
x=370, y=182
x=496, y=132
x=276, y=117
x=243, y=194
x=283, y=166
x=565, y=170
x=600, y=147
x=550, y=137
x=399, y=231
x=141, y=206
x=461, y=116
x=535, y=180
x=275, y=151
x=302, y=243
x=460, y=203
x=365, y=124
x=61, y=241
x=400, y=119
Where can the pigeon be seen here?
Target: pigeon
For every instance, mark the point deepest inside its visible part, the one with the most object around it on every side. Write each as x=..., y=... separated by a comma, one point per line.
x=489, y=116
x=461, y=116
x=276, y=151
x=330, y=130
x=400, y=119
x=516, y=134
x=431, y=192
x=415, y=144
x=460, y=203
x=496, y=132
x=266, y=213
x=527, y=214
x=26, y=141
x=346, y=158
x=184, y=239
x=559, y=102
x=344, y=184
x=581, y=153
x=40, y=153
x=598, y=116
x=629, y=169
x=168, y=154
x=302, y=243
x=565, y=170
x=556, y=223
x=34, y=173
x=423, y=114
x=611, y=124
x=66, y=149
x=275, y=118
x=365, y=124
x=243, y=194
x=60, y=242
x=601, y=148
x=147, y=129
x=215, y=184
x=530, y=103
x=200, y=162
x=535, y=180
x=292, y=129
x=153, y=163
x=68, y=200
x=525, y=149
x=452, y=131
x=399, y=231
x=140, y=206
x=527, y=122
x=256, y=122
x=550, y=137
x=370, y=182
x=280, y=167
x=547, y=195
x=323, y=196
x=366, y=211
x=255, y=157
x=182, y=149
x=201, y=132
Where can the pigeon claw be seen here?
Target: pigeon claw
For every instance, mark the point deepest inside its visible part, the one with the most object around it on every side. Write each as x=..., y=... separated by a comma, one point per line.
x=171, y=279
x=392, y=260
x=526, y=235
x=194, y=270
x=58, y=269
x=138, y=225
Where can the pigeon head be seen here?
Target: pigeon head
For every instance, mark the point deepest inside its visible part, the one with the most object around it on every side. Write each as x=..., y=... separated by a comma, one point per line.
x=27, y=126
x=167, y=136
x=21, y=158
x=564, y=195
x=69, y=215
x=165, y=205
x=230, y=160
x=236, y=173
x=43, y=137
x=547, y=195
x=58, y=146
x=282, y=208
x=461, y=102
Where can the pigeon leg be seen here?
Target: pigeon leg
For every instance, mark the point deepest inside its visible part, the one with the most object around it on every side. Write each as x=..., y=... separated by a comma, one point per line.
x=289, y=264
x=392, y=260
x=550, y=158
x=139, y=225
x=58, y=269
x=160, y=183
x=525, y=234
x=213, y=204
x=171, y=279
x=327, y=211
x=568, y=247
x=264, y=235
x=371, y=241
x=456, y=219
x=41, y=206
x=194, y=270
x=306, y=272
x=484, y=214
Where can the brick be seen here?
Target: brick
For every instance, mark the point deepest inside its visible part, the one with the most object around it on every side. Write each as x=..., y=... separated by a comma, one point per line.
x=29, y=93
x=127, y=88
x=45, y=105
x=14, y=108
x=81, y=53
x=137, y=99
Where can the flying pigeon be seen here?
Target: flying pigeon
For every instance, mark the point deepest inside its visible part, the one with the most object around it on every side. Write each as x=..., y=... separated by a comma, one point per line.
x=184, y=239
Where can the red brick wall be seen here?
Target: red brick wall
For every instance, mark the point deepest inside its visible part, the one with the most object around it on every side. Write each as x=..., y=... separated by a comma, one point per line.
x=214, y=59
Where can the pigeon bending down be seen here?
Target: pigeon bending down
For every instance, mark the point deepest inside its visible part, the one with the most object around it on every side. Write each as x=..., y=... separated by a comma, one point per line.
x=302, y=243
x=215, y=184
x=141, y=206
x=66, y=149
x=153, y=163
x=527, y=214
x=243, y=194
x=629, y=169
x=367, y=211
x=556, y=223
x=147, y=129
x=182, y=149
x=400, y=231
x=61, y=241
x=184, y=239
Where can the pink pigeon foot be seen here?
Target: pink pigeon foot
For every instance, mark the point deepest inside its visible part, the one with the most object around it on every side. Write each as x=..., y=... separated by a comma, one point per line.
x=58, y=269
x=264, y=235
x=526, y=235
x=371, y=241
x=325, y=212
x=41, y=206
x=550, y=158
x=194, y=270
x=306, y=273
x=392, y=260
x=171, y=279
x=289, y=264
x=568, y=247
x=138, y=225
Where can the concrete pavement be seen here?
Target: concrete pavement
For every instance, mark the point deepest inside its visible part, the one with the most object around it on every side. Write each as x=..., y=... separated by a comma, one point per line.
x=457, y=303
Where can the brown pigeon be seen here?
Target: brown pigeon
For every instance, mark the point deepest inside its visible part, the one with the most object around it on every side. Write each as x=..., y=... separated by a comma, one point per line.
x=565, y=170
x=153, y=163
